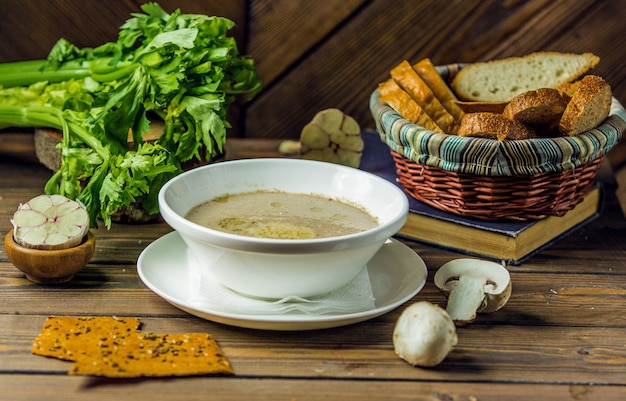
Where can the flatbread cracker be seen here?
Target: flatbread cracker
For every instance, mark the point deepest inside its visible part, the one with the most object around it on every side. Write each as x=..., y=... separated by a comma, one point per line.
x=114, y=347
x=154, y=355
x=67, y=338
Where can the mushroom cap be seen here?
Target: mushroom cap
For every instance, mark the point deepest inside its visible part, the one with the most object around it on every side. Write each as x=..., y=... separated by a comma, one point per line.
x=424, y=334
x=491, y=279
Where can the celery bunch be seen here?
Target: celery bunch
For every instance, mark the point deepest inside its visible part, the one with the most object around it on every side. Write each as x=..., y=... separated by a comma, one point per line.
x=180, y=68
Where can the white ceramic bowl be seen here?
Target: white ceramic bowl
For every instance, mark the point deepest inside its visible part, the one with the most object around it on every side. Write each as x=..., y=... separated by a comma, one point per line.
x=276, y=268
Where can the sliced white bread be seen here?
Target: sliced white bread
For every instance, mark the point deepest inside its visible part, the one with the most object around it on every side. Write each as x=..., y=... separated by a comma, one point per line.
x=501, y=80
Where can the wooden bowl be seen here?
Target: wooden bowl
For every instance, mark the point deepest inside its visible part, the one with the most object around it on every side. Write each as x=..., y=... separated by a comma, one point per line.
x=50, y=266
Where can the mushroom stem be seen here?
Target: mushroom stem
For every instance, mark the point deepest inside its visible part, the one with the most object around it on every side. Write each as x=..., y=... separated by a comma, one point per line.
x=465, y=299
x=473, y=286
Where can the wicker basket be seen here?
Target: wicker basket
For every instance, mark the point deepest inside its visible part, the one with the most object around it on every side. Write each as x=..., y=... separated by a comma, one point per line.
x=495, y=180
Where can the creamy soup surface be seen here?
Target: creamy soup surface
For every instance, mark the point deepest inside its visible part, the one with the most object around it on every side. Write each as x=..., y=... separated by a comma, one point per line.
x=282, y=215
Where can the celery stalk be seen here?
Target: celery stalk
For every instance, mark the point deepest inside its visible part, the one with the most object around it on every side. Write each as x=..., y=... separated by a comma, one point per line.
x=181, y=68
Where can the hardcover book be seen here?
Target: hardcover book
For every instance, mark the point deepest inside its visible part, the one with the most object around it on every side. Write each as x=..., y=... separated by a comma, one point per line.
x=511, y=242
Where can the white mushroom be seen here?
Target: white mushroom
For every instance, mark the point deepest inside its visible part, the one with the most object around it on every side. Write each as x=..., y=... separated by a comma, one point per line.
x=472, y=286
x=424, y=334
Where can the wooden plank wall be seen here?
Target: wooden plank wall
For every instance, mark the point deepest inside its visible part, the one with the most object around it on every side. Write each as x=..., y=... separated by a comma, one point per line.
x=29, y=28
x=313, y=55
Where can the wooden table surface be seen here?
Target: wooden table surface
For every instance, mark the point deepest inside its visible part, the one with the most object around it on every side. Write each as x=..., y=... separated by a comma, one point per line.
x=562, y=336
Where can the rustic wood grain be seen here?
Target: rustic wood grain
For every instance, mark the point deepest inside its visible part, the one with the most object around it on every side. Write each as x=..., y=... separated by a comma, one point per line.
x=285, y=31
x=501, y=31
x=363, y=51
x=527, y=352
x=30, y=28
x=273, y=389
x=561, y=336
x=574, y=27
x=315, y=55
x=563, y=326
x=378, y=36
x=597, y=295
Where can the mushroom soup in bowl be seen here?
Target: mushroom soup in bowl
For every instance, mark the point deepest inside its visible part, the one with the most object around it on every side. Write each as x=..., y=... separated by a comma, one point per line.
x=265, y=267
x=281, y=215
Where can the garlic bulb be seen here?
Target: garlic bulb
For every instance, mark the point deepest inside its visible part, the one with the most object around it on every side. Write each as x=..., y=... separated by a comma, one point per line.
x=50, y=222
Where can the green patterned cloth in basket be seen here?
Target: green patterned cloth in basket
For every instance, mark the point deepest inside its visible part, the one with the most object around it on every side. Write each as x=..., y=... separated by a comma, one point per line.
x=490, y=157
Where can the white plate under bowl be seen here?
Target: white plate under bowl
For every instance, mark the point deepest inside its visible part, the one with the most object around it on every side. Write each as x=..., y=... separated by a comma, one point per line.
x=396, y=274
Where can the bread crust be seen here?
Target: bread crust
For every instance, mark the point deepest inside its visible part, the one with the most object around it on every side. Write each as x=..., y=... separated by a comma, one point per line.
x=589, y=106
x=477, y=107
x=426, y=70
x=419, y=94
x=501, y=80
x=408, y=79
x=404, y=104
x=539, y=109
x=493, y=125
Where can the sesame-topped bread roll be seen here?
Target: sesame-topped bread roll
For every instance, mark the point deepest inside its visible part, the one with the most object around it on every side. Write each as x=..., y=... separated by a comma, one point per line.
x=589, y=107
x=539, y=109
x=494, y=126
